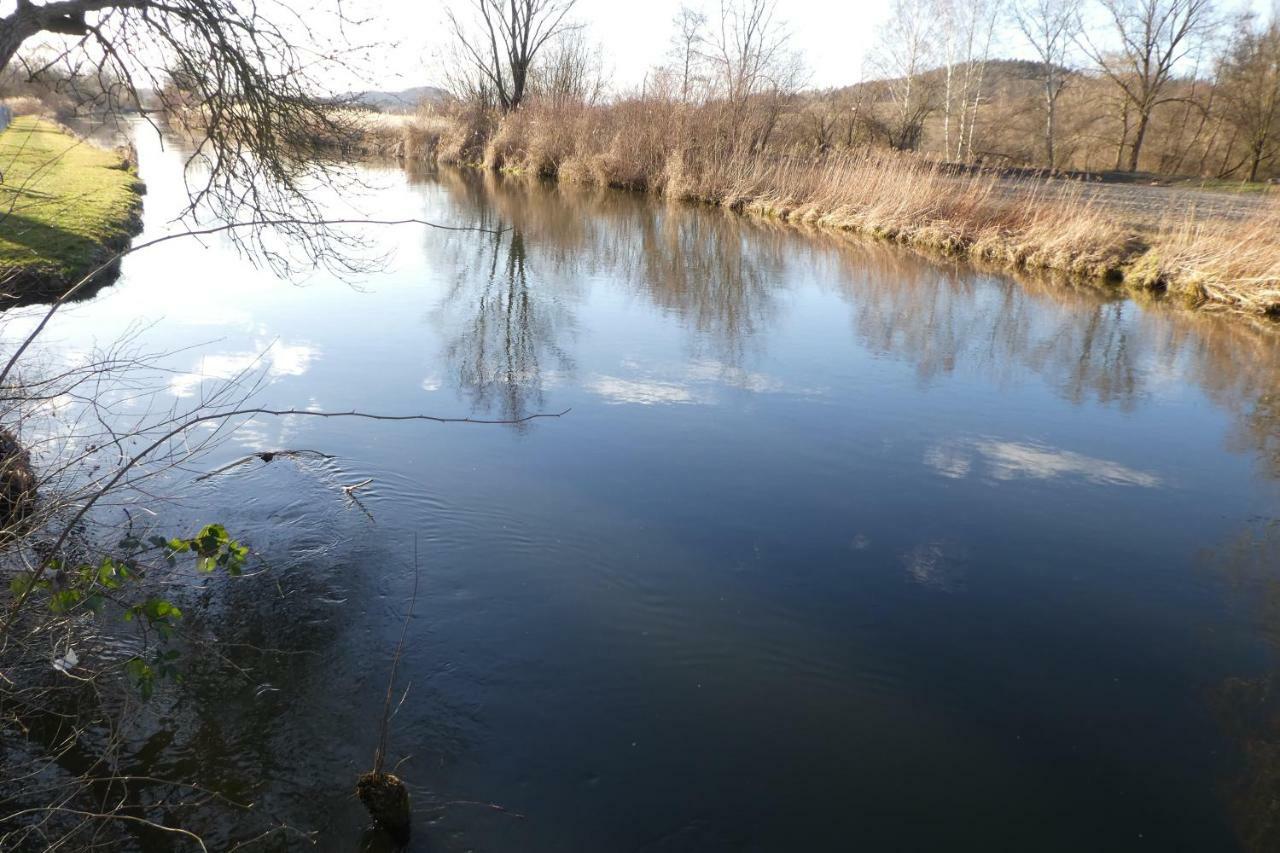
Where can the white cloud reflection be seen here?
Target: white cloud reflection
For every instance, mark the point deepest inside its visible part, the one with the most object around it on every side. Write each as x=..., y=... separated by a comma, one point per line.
x=1011, y=460
x=276, y=360
x=695, y=382
x=616, y=390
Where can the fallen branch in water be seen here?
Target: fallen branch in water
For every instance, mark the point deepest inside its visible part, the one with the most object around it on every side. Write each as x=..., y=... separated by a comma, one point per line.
x=353, y=498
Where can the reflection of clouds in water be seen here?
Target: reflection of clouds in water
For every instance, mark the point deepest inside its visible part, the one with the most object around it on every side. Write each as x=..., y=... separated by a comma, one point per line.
x=714, y=371
x=270, y=434
x=693, y=383
x=617, y=390
x=949, y=461
x=929, y=564
x=277, y=360
x=1010, y=460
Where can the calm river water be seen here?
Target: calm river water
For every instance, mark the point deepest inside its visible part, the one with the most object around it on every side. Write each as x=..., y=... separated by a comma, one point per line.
x=838, y=548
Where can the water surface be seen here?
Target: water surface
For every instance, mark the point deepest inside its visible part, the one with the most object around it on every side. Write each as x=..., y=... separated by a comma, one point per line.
x=837, y=548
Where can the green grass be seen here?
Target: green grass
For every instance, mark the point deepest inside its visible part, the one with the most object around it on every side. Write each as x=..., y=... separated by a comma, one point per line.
x=65, y=206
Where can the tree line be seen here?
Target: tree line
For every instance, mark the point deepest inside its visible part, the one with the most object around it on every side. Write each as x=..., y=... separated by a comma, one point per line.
x=1167, y=86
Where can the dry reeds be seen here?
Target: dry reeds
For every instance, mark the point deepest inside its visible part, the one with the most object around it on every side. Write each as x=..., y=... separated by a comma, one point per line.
x=407, y=137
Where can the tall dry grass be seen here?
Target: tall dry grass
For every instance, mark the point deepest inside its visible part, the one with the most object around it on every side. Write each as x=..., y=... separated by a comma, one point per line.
x=1218, y=261
x=409, y=137
x=675, y=151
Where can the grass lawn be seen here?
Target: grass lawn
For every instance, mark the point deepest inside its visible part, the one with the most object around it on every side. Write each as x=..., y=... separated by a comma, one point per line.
x=65, y=206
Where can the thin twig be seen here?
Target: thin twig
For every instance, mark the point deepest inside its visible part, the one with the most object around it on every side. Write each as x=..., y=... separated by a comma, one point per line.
x=380, y=755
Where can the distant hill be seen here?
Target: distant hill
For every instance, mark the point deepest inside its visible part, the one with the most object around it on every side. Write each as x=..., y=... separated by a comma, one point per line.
x=405, y=99
x=999, y=73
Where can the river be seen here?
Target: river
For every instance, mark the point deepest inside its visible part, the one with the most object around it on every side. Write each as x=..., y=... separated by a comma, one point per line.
x=837, y=547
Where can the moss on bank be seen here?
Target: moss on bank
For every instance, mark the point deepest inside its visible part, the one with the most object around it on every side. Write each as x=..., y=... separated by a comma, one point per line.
x=65, y=207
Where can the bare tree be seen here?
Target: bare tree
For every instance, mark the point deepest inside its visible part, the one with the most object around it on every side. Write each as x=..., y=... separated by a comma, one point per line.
x=688, y=43
x=753, y=68
x=1050, y=27
x=1153, y=37
x=907, y=49
x=966, y=30
x=502, y=38
x=1249, y=79
x=570, y=71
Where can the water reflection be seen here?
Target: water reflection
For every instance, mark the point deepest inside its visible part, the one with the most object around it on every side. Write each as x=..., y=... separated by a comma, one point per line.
x=831, y=527
x=1009, y=460
x=727, y=279
x=504, y=321
x=1248, y=707
x=275, y=359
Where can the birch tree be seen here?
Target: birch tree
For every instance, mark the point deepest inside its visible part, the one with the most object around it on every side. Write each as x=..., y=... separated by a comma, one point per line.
x=1050, y=27
x=906, y=50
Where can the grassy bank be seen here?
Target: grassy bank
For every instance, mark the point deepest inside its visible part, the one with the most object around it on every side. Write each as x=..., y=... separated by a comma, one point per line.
x=65, y=207
x=651, y=146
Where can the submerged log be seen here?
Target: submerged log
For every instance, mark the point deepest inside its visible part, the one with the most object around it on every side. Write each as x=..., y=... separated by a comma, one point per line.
x=387, y=800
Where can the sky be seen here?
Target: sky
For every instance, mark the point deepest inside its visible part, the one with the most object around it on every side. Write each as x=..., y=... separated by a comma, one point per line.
x=832, y=35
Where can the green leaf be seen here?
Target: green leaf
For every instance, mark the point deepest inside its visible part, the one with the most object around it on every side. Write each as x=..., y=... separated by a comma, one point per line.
x=65, y=599
x=21, y=583
x=142, y=674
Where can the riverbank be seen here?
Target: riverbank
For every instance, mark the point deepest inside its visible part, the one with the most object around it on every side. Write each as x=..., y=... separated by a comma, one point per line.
x=66, y=206
x=1205, y=260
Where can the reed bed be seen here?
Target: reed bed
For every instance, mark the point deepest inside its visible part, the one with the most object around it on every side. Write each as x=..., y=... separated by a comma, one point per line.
x=674, y=151
x=408, y=137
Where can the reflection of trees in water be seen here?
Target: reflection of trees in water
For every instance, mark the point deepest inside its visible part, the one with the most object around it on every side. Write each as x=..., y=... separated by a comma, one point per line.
x=513, y=299
x=512, y=330
x=504, y=315
x=723, y=275
x=1249, y=708
x=720, y=276
x=1086, y=342
x=950, y=317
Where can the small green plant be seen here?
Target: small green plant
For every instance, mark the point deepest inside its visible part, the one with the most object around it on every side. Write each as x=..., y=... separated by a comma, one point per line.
x=214, y=548
x=91, y=587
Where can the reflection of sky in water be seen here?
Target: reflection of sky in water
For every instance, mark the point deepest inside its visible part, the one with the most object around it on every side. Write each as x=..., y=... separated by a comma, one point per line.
x=275, y=360
x=1010, y=460
x=828, y=528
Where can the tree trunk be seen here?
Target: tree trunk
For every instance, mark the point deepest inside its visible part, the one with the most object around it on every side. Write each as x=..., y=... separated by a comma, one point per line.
x=1124, y=136
x=1050, y=106
x=1144, y=118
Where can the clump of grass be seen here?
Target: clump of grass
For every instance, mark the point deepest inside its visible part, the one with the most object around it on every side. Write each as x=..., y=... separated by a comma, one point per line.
x=65, y=206
x=1218, y=261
